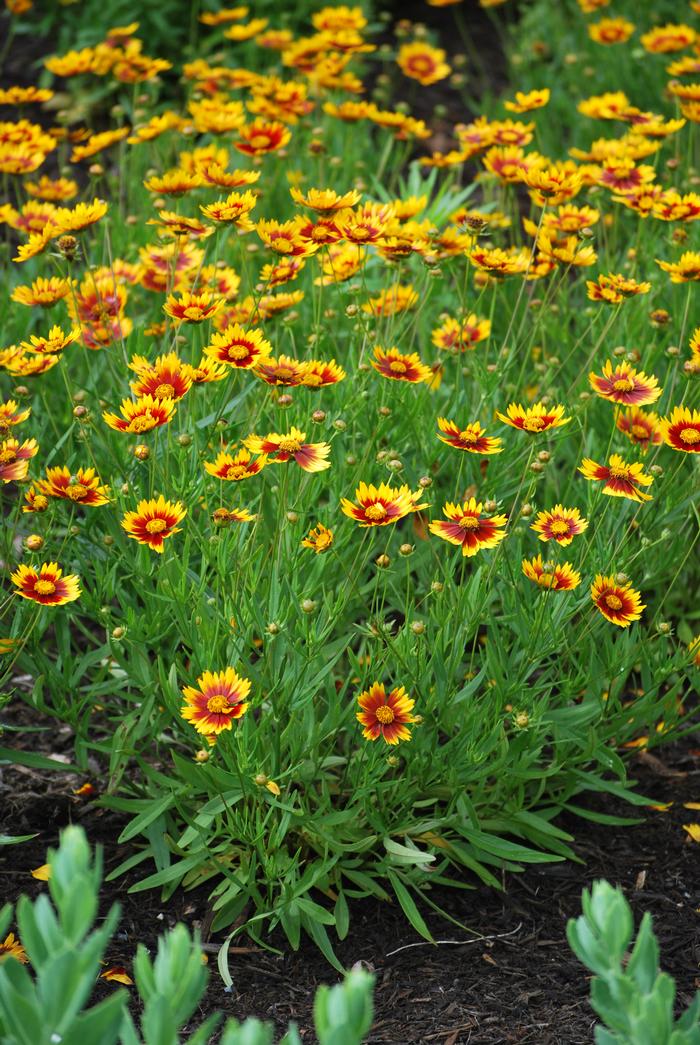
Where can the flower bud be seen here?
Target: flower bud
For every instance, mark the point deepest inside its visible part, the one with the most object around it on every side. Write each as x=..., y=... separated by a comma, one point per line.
x=33, y=542
x=406, y=549
x=308, y=606
x=272, y=628
x=382, y=561
x=141, y=452
x=285, y=400
x=339, y=424
x=318, y=416
x=201, y=755
x=184, y=439
x=425, y=482
x=118, y=633
x=526, y=511
x=418, y=627
x=436, y=587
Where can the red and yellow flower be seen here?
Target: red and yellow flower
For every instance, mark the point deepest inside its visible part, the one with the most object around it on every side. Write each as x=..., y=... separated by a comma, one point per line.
x=681, y=430
x=386, y=715
x=529, y=100
x=399, y=367
x=239, y=348
x=82, y=487
x=193, y=307
x=380, y=505
x=234, y=210
x=141, y=415
x=325, y=200
x=556, y=576
x=167, y=378
x=321, y=374
x=472, y=438
x=461, y=335
x=11, y=947
x=234, y=467
x=218, y=701
x=46, y=585
x=559, y=524
x=15, y=458
x=534, y=419
x=10, y=415
x=43, y=293
x=685, y=270
x=423, y=63
x=619, y=478
x=619, y=603
x=280, y=448
x=263, y=136
x=468, y=528
x=55, y=341
x=319, y=539
x=281, y=371
x=154, y=521
x=621, y=383
x=640, y=426
x=610, y=31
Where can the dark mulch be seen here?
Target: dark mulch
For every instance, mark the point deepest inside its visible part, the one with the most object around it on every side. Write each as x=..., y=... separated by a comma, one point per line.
x=518, y=983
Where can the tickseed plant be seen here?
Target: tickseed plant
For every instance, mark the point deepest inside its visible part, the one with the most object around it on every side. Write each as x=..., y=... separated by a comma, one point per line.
x=351, y=497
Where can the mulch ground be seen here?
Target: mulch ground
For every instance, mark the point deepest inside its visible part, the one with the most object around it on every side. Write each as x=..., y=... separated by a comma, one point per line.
x=517, y=983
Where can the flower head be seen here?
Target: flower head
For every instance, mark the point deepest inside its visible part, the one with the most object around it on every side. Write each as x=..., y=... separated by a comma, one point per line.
x=621, y=383
x=619, y=603
x=192, y=307
x=15, y=458
x=619, y=478
x=141, y=415
x=555, y=576
x=468, y=528
x=559, y=524
x=385, y=715
x=234, y=467
x=238, y=348
x=219, y=700
x=154, y=521
x=399, y=367
x=325, y=200
x=46, y=585
x=379, y=505
x=11, y=415
x=534, y=419
x=423, y=63
x=82, y=487
x=472, y=438
x=319, y=539
x=12, y=948
x=640, y=426
x=681, y=430
x=167, y=378
x=280, y=448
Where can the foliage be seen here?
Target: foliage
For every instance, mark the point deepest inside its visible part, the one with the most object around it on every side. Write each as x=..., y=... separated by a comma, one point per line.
x=629, y=992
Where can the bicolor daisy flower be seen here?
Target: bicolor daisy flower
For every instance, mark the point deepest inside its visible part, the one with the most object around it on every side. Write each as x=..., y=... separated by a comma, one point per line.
x=325, y=200
x=280, y=448
x=461, y=335
x=534, y=419
x=55, y=341
x=640, y=426
x=386, y=715
x=141, y=415
x=681, y=430
x=422, y=62
x=467, y=528
x=234, y=467
x=557, y=576
x=262, y=136
x=12, y=948
x=619, y=603
x=559, y=524
x=472, y=438
x=281, y=371
x=399, y=367
x=46, y=585
x=685, y=270
x=380, y=505
x=621, y=383
x=219, y=699
x=234, y=210
x=154, y=521
x=619, y=478
x=167, y=378
x=192, y=307
x=11, y=415
x=15, y=458
x=238, y=348
x=44, y=293
x=226, y=516
x=319, y=539
x=81, y=487
x=319, y=374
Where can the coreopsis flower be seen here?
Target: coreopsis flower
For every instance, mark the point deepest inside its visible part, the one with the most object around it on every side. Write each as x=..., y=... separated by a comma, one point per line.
x=43, y=293
x=619, y=603
x=226, y=14
x=180, y=225
x=55, y=341
x=141, y=415
x=192, y=307
x=262, y=136
x=234, y=467
x=271, y=304
x=614, y=288
x=528, y=100
x=98, y=143
x=226, y=516
x=320, y=374
x=534, y=419
x=640, y=426
x=325, y=200
x=552, y=185
x=472, y=438
x=46, y=585
x=379, y=505
x=12, y=948
x=423, y=63
x=685, y=270
x=277, y=273
x=10, y=415
x=216, y=116
x=167, y=378
x=366, y=224
x=219, y=700
x=395, y=365
x=174, y=183
x=610, y=31
x=280, y=448
x=467, y=528
x=569, y=250
x=215, y=174
x=15, y=458
x=233, y=210
x=239, y=348
x=239, y=33
x=665, y=39
x=510, y=163
x=559, y=524
x=16, y=361
x=153, y=521
x=319, y=539
x=285, y=237
x=82, y=487
x=282, y=370
x=390, y=302
x=75, y=219
x=53, y=189
x=681, y=431
x=386, y=715
x=556, y=576
x=223, y=280
x=207, y=371
x=619, y=478
x=323, y=232
x=332, y=18
x=621, y=383
x=499, y=263
x=461, y=335
x=340, y=262
x=36, y=244
x=672, y=206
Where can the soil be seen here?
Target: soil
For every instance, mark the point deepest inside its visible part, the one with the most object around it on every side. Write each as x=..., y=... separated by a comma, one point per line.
x=515, y=981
